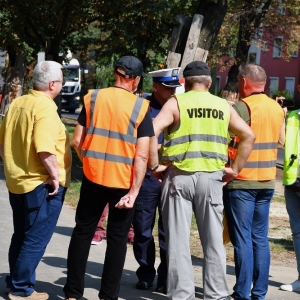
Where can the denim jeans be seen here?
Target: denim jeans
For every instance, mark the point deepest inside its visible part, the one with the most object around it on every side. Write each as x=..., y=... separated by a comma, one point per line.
x=247, y=212
x=35, y=215
x=292, y=199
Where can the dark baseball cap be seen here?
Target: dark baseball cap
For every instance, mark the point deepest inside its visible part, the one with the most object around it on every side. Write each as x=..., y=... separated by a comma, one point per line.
x=132, y=66
x=196, y=68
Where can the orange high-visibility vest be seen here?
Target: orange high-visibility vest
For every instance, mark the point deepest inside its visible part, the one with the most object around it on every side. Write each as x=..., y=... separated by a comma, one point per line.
x=266, y=118
x=112, y=118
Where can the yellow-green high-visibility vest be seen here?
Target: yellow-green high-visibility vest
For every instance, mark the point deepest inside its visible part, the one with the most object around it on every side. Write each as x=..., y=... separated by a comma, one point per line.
x=200, y=143
x=291, y=151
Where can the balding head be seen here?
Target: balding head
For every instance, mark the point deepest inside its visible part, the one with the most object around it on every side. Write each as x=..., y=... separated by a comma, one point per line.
x=251, y=79
x=253, y=72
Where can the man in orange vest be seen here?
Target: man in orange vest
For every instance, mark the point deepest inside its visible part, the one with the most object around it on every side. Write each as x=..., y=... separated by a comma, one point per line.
x=247, y=198
x=112, y=140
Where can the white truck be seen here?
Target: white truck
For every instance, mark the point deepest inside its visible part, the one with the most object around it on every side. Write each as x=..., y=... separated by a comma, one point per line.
x=70, y=93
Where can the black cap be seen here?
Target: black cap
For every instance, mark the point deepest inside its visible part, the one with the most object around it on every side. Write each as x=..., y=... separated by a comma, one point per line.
x=131, y=65
x=196, y=68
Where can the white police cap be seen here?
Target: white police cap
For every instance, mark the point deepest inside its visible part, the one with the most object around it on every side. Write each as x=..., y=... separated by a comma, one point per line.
x=167, y=77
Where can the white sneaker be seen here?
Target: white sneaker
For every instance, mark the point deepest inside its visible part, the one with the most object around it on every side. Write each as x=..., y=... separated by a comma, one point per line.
x=95, y=243
x=293, y=287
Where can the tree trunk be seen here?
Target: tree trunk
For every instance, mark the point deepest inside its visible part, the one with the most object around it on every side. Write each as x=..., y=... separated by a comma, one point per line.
x=214, y=14
x=14, y=78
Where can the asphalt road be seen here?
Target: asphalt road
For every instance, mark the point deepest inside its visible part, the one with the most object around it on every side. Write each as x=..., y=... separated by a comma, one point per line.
x=74, y=116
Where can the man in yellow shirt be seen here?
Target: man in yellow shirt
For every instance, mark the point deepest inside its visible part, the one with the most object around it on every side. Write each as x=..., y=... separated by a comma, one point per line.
x=35, y=148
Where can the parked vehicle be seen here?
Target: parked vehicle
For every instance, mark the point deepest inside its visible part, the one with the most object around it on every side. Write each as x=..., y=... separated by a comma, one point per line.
x=70, y=93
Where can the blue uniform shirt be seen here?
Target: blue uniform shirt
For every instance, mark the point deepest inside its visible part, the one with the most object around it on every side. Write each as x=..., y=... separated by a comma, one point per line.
x=155, y=108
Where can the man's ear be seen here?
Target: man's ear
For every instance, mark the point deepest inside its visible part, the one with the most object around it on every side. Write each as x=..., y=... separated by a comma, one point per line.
x=137, y=80
x=51, y=85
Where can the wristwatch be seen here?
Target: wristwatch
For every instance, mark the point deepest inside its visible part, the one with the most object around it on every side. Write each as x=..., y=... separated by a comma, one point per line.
x=153, y=169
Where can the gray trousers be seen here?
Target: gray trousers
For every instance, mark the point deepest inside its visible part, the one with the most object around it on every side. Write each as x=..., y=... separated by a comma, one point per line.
x=201, y=192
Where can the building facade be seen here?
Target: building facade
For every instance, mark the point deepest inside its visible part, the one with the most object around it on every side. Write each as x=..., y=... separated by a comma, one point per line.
x=282, y=74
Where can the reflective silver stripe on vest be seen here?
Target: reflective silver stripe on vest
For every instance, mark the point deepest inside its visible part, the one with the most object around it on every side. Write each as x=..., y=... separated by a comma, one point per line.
x=93, y=101
x=195, y=154
x=265, y=146
x=108, y=157
x=135, y=114
x=128, y=138
x=259, y=146
x=112, y=134
x=260, y=164
x=196, y=138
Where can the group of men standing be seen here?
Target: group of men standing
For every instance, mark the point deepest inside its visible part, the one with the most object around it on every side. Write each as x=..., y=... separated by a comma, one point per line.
x=129, y=165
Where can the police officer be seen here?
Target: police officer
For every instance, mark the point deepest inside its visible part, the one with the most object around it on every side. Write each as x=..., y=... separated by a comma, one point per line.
x=164, y=85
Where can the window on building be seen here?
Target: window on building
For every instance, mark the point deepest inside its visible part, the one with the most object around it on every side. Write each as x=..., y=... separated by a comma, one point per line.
x=217, y=85
x=264, y=46
x=252, y=57
x=290, y=85
x=295, y=54
x=281, y=8
x=274, y=83
x=277, y=48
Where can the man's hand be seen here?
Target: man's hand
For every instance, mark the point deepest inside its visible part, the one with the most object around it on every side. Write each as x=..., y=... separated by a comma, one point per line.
x=228, y=175
x=158, y=173
x=55, y=185
x=127, y=201
x=50, y=163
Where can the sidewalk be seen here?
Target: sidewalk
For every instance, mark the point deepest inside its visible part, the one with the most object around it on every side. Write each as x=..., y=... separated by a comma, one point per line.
x=51, y=272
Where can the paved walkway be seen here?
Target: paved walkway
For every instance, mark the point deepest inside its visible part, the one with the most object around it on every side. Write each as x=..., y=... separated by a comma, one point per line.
x=51, y=272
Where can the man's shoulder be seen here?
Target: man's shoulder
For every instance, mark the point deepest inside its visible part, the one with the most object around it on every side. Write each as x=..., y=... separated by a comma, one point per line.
x=242, y=110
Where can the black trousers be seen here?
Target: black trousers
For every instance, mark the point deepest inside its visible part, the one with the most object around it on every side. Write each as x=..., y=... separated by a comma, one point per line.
x=147, y=202
x=93, y=199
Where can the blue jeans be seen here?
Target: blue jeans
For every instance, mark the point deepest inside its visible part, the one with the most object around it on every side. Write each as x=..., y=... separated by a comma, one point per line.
x=292, y=199
x=247, y=212
x=35, y=215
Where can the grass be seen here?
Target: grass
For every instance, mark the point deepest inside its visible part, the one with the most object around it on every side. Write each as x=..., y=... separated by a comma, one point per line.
x=277, y=198
x=281, y=245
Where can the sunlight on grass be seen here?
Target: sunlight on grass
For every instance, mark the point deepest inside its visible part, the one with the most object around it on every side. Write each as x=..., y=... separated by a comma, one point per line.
x=72, y=195
x=281, y=245
x=277, y=198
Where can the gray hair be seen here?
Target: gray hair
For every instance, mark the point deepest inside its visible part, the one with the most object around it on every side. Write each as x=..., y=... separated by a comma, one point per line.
x=202, y=79
x=253, y=72
x=45, y=72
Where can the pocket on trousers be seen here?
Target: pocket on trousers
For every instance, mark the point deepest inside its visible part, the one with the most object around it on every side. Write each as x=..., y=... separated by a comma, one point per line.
x=34, y=199
x=214, y=191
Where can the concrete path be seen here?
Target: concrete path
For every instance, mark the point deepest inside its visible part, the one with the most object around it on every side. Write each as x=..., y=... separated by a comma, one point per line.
x=51, y=272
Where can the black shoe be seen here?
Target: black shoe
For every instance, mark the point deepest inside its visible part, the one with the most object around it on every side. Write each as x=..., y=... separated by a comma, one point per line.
x=162, y=289
x=143, y=285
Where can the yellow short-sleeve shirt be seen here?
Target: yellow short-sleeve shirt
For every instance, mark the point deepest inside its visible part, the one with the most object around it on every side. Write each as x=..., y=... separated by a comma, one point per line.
x=32, y=125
